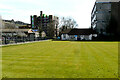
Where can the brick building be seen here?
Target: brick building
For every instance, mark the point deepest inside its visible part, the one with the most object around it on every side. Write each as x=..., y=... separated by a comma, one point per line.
x=43, y=23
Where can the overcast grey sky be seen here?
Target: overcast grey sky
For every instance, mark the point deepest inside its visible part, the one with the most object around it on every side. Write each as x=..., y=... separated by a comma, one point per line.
x=21, y=10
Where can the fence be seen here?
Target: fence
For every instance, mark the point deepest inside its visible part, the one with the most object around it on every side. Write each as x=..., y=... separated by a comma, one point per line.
x=12, y=40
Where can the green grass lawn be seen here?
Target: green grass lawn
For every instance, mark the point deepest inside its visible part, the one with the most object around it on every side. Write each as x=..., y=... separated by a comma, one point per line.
x=61, y=59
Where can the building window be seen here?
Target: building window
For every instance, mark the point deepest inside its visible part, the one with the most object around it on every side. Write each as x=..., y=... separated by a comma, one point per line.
x=94, y=26
x=64, y=36
x=109, y=11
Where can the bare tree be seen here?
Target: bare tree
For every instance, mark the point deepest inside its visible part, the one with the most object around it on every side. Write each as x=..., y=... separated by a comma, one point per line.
x=68, y=23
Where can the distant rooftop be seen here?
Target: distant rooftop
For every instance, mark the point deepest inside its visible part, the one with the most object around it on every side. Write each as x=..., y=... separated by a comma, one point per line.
x=107, y=0
x=16, y=22
x=76, y=31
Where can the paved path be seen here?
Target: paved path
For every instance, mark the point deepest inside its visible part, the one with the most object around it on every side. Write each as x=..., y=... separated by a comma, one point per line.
x=22, y=43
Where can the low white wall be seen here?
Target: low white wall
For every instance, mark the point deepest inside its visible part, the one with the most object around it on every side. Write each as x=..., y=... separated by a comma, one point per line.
x=86, y=37
x=65, y=37
x=72, y=37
